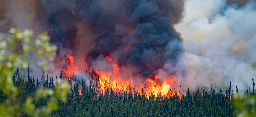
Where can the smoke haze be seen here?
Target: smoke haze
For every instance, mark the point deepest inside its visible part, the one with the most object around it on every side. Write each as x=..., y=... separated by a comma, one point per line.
x=137, y=33
x=219, y=43
x=203, y=42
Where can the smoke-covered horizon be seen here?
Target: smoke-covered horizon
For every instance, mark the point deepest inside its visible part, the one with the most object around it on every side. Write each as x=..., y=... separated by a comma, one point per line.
x=203, y=42
x=219, y=44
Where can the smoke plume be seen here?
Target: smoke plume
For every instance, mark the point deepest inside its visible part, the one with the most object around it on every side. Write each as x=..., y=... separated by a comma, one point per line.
x=203, y=42
x=138, y=33
x=219, y=43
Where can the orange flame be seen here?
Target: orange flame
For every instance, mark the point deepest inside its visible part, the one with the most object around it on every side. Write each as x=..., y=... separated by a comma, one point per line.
x=113, y=80
x=80, y=91
x=71, y=67
x=91, y=70
x=109, y=58
x=158, y=89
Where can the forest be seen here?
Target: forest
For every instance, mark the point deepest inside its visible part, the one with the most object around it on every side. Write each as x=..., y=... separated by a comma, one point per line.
x=87, y=102
x=179, y=49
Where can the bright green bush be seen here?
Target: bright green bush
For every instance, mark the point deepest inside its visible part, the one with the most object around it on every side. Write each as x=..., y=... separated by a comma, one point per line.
x=14, y=51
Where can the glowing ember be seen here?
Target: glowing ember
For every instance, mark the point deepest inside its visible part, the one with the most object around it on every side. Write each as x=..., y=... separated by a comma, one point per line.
x=71, y=68
x=109, y=58
x=80, y=91
x=59, y=61
x=91, y=69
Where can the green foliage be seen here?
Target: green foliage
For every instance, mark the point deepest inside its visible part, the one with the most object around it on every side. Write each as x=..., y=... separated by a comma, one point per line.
x=51, y=96
x=14, y=50
x=28, y=98
x=201, y=103
x=245, y=105
x=254, y=66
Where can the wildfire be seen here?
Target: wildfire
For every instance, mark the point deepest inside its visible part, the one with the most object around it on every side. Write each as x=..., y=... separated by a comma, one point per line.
x=113, y=80
x=71, y=68
x=163, y=89
x=80, y=91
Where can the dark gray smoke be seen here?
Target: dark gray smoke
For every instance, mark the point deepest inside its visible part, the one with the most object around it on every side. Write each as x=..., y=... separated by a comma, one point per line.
x=218, y=36
x=137, y=32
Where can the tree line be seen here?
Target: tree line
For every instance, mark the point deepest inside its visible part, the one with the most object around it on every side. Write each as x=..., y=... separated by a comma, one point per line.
x=88, y=102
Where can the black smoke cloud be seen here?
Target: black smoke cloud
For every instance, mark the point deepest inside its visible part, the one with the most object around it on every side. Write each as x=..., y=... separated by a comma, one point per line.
x=137, y=32
x=218, y=36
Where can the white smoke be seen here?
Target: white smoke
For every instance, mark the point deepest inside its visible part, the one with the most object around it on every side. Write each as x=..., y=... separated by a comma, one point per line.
x=219, y=42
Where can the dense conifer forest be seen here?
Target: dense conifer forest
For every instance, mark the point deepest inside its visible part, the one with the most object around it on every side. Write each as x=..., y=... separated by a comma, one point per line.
x=88, y=102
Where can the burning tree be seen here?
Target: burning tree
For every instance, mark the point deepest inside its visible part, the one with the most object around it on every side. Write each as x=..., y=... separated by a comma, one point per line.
x=112, y=79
